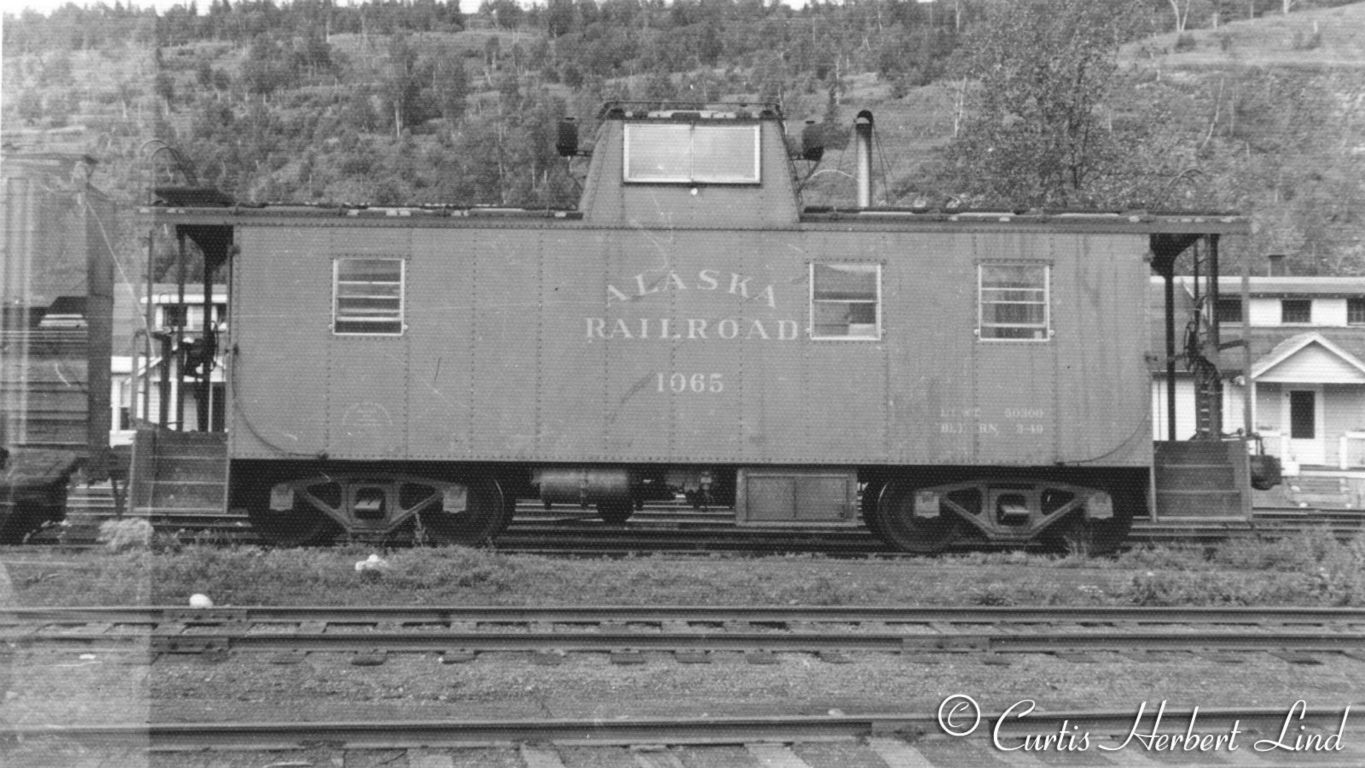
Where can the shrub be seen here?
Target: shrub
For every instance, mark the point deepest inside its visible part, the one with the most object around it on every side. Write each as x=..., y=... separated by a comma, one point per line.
x=1306, y=41
x=1185, y=42
x=128, y=534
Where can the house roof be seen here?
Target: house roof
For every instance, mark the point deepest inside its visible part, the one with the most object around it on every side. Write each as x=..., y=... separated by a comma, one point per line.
x=1264, y=339
x=1286, y=286
x=1348, y=366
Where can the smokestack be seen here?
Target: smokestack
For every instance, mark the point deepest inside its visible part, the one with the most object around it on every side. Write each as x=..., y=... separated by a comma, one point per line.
x=1277, y=265
x=862, y=141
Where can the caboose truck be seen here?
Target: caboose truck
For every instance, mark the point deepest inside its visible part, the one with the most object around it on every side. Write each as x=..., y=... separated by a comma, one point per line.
x=690, y=328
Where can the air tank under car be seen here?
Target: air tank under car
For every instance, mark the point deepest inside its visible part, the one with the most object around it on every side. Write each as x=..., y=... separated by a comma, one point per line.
x=689, y=329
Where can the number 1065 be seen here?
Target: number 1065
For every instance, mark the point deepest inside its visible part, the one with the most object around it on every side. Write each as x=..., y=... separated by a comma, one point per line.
x=699, y=383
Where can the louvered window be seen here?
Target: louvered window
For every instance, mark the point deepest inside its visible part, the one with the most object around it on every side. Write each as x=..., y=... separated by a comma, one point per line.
x=1013, y=302
x=367, y=296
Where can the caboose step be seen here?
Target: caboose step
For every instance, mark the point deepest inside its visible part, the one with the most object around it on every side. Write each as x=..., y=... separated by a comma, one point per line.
x=1200, y=504
x=201, y=468
x=188, y=493
x=1193, y=451
x=1195, y=477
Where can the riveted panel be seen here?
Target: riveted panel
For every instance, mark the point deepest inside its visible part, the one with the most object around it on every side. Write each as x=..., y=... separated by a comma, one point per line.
x=281, y=328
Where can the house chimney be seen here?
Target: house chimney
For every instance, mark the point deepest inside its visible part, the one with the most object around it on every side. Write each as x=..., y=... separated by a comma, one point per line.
x=1277, y=266
x=862, y=143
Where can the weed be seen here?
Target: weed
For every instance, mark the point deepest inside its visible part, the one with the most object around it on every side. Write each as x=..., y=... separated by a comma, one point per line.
x=1164, y=558
x=1302, y=552
x=122, y=535
x=994, y=593
x=439, y=568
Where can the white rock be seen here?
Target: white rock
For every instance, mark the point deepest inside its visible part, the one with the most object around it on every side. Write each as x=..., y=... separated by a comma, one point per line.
x=371, y=563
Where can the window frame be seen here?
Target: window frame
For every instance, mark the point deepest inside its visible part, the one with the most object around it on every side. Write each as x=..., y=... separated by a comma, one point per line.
x=690, y=178
x=878, y=326
x=1308, y=320
x=1225, y=303
x=1046, y=326
x=401, y=318
x=1359, y=302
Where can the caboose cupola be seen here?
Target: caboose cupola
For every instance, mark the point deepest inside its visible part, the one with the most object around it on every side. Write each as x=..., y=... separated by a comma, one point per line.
x=690, y=168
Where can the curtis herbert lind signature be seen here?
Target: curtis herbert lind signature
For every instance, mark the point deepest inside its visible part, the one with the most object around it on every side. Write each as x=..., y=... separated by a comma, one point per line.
x=960, y=715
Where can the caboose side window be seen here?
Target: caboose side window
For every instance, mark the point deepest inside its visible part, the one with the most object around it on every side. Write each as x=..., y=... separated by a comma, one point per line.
x=1013, y=302
x=687, y=153
x=845, y=301
x=367, y=296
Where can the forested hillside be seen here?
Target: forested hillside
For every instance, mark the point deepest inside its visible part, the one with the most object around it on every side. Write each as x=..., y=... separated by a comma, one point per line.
x=1251, y=105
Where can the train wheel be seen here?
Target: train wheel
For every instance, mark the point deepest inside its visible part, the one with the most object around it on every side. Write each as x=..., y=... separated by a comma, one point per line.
x=300, y=526
x=897, y=524
x=1087, y=536
x=615, y=512
x=485, y=514
x=871, y=493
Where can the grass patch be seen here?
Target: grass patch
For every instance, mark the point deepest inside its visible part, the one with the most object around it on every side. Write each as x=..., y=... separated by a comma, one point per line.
x=1310, y=569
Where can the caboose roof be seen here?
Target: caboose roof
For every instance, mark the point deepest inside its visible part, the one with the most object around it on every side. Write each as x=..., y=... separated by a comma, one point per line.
x=333, y=214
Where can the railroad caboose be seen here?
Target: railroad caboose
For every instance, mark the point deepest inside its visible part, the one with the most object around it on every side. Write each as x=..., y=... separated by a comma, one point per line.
x=690, y=329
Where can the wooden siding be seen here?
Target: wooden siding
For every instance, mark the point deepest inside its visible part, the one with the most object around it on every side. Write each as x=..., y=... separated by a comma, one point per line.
x=543, y=344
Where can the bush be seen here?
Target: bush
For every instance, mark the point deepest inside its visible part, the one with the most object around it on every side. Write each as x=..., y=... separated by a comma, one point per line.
x=1185, y=42
x=1306, y=41
x=123, y=535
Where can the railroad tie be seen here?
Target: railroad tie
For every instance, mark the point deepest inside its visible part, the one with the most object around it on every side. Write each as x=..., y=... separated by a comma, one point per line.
x=655, y=756
x=898, y=754
x=540, y=757
x=775, y=756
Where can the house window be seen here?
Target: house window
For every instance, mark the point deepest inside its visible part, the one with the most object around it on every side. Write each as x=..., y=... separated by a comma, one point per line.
x=1296, y=311
x=845, y=301
x=1229, y=310
x=172, y=316
x=1355, y=311
x=1013, y=302
x=688, y=153
x=367, y=296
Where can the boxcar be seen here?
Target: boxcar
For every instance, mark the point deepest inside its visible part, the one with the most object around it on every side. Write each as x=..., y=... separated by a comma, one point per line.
x=690, y=329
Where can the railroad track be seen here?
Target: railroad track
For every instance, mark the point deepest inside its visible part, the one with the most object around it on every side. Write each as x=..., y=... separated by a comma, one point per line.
x=461, y=634
x=889, y=734
x=900, y=739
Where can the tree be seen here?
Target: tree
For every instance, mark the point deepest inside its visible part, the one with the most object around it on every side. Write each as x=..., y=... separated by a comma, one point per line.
x=1036, y=136
x=450, y=83
x=164, y=87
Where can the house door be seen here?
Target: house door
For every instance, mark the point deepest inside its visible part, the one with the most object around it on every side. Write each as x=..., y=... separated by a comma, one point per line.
x=1303, y=414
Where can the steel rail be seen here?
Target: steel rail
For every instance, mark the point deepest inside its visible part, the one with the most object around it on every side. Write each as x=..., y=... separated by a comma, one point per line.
x=762, y=614
x=788, y=642
x=1256, y=723
x=986, y=630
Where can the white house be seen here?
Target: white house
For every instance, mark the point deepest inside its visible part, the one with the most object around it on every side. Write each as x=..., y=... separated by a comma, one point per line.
x=144, y=376
x=1307, y=373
